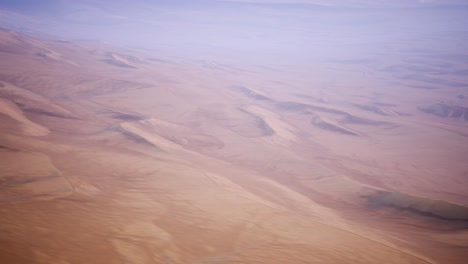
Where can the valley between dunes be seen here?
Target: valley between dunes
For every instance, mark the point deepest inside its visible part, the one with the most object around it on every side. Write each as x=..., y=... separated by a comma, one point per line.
x=114, y=155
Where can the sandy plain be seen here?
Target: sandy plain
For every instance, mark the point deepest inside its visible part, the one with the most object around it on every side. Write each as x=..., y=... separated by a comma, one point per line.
x=122, y=156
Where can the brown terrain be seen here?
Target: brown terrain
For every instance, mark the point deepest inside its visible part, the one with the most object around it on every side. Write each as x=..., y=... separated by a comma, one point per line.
x=112, y=155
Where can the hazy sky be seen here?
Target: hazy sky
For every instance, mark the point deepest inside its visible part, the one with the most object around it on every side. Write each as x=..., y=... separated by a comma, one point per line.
x=292, y=28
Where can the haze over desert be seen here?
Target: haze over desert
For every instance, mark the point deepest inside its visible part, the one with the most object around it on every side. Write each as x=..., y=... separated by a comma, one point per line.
x=233, y=132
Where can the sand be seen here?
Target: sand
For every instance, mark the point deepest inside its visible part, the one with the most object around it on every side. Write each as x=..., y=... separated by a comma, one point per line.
x=109, y=156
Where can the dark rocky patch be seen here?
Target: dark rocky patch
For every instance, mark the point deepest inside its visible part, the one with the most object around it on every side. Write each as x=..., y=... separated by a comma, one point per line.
x=267, y=131
x=130, y=58
x=7, y=148
x=318, y=122
x=44, y=112
x=41, y=54
x=14, y=180
x=372, y=108
x=425, y=87
x=137, y=138
x=118, y=63
x=307, y=96
x=364, y=121
x=385, y=104
x=460, y=72
x=127, y=117
x=352, y=61
x=422, y=206
x=460, y=58
x=251, y=126
x=444, y=110
x=294, y=106
x=411, y=68
x=251, y=94
x=433, y=63
x=431, y=80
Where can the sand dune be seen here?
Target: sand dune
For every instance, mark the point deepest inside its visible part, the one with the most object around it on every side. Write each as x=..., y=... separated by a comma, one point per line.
x=328, y=124
x=125, y=116
x=237, y=120
x=27, y=126
x=376, y=109
x=282, y=132
x=252, y=94
x=28, y=175
x=295, y=106
x=33, y=102
x=144, y=130
x=14, y=43
x=125, y=61
x=169, y=136
x=356, y=120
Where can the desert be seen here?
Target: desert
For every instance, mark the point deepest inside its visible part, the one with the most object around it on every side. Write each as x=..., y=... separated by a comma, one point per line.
x=276, y=141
